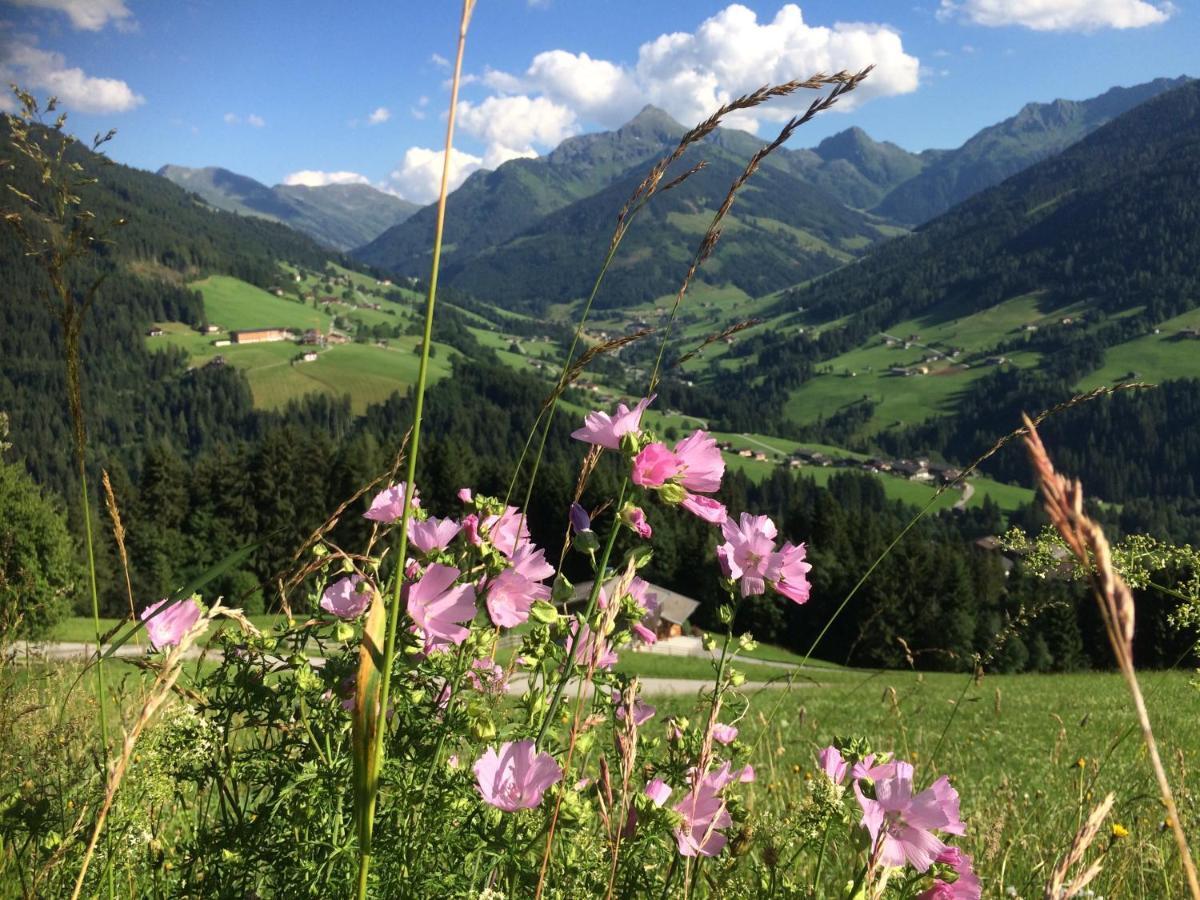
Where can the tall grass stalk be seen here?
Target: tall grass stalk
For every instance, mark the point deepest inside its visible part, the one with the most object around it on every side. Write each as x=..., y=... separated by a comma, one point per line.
x=376, y=752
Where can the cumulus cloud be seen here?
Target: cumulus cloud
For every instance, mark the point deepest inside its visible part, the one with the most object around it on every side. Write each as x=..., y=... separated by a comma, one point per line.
x=1058, y=15
x=315, y=178
x=419, y=174
x=255, y=121
x=379, y=116
x=518, y=121
x=44, y=70
x=86, y=15
x=231, y=118
x=691, y=73
x=440, y=61
x=251, y=120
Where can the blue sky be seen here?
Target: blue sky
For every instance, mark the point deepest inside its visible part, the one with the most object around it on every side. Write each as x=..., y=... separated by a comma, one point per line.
x=314, y=91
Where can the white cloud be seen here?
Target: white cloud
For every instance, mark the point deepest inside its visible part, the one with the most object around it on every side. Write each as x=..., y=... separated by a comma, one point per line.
x=314, y=178
x=518, y=121
x=438, y=60
x=689, y=74
x=419, y=174
x=45, y=70
x=231, y=118
x=1058, y=15
x=87, y=15
x=379, y=116
x=255, y=121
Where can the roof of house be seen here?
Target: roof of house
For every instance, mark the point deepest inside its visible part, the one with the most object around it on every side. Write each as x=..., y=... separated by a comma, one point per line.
x=673, y=606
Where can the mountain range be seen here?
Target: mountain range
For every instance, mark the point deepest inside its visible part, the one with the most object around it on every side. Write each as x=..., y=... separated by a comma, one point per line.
x=532, y=232
x=341, y=216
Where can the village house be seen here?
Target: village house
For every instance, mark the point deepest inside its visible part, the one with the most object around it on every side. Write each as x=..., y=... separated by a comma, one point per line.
x=155, y=332
x=260, y=335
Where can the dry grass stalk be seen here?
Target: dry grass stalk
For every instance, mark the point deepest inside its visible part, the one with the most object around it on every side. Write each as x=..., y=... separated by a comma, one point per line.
x=114, y=513
x=717, y=336
x=843, y=84
x=159, y=691
x=1058, y=888
x=1064, y=505
x=652, y=183
x=577, y=368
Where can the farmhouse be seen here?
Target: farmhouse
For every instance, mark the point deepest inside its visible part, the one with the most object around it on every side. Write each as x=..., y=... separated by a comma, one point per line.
x=155, y=332
x=669, y=611
x=260, y=335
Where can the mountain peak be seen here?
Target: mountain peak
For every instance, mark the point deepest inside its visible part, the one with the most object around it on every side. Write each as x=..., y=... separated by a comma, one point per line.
x=652, y=120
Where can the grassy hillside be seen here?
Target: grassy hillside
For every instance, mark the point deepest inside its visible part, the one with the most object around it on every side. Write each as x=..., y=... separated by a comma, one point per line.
x=367, y=372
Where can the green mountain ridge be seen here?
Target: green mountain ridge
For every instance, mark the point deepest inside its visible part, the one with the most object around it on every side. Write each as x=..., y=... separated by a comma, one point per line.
x=341, y=216
x=1037, y=132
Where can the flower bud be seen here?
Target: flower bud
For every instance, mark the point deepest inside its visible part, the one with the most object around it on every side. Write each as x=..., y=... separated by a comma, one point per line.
x=672, y=494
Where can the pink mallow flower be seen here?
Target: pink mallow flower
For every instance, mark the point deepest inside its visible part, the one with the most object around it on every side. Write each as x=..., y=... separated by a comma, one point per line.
x=440, y=607
x=635, y=518
x=654, y=466
x=902, y=824
x=701, y=465
x=748, y=555
x=705, y=508
x=594, y=651
x=510, y=595
x=642, y=712
x=658, y=791
x=965, y=887
x=530, y=561
x=432, y=534
x=724, y=734
x=388, y=503
x=792, y=581
x=832, y=764
x=516, y=777
x=507, y=532
x=344, y=600
x=606, y=430
x=168, y=627
x=703, y=811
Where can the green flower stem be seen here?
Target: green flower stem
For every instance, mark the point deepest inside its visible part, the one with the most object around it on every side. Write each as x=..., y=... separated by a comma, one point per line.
x=597, y=584
x=377, y=754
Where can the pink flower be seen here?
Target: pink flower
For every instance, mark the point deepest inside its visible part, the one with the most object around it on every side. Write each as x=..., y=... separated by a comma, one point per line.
x=965, y=887
x=432, y=534
x=658, y=791
x=516, y=777
x=507, y=531
x=530, y=561
x=486, y=677
x=510, y=595
x=654, y=466
x=748, y=554
x=724, y=734
x=169, y=627
x=593, y=651
x=642, y=712
x=341, y=598
x=470, y=527
x=465, y=495
x=792, y=580
x=703, y=811
x=644, y=634
x=440, y=607
x=639, y=590
x=635, y=518
x=706, y=508
x=700, y=463
x=606, y=431
x=388, y=503
x=902, y=824
x=832, y=764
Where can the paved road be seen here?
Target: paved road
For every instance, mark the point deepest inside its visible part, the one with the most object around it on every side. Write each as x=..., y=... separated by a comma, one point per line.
x=968, y=491
x=650, y=686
